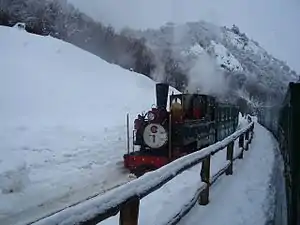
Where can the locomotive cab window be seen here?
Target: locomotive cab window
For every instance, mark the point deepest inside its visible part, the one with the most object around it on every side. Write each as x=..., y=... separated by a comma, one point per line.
x=198, y=107
x=176, y=109
x=176, y=100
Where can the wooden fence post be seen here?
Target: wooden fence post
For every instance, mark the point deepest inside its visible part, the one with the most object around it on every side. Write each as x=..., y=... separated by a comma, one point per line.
x=241, y=145
x=229, y=156
x=127, y=126
x=129, y=213
x=205, y=177
x=250, y=136
x=251, y=133
x=247, y=140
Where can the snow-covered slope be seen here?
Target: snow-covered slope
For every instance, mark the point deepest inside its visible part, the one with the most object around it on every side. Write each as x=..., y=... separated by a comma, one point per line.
x=63, y=123
x=224, y=58
x=249, y=70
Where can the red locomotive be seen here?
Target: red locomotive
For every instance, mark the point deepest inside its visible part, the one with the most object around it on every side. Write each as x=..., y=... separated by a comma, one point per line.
x=193, y=122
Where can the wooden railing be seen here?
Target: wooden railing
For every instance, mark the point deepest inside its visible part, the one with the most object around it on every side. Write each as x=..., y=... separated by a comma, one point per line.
x=126, y=198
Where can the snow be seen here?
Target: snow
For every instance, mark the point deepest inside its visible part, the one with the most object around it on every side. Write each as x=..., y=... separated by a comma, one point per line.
x=194, y=50
x=141, y=186
x=62, y=139
x=15, y=176
x=249, y=186
x=237, y=41
x=243, y=121
x=224, y=57
x=244, y=197
x=63, y=124
x=20, y=26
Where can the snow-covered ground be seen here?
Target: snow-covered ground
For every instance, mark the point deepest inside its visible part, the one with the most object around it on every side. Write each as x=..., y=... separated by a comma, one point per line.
x=224, y=57
x=63, y=124
x=243, y=198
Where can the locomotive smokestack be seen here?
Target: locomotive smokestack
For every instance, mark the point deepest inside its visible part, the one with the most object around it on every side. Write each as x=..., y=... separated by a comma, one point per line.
x=162, y=90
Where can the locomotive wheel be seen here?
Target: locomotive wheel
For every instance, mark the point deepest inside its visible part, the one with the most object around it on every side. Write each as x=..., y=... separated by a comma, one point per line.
x=141, y=170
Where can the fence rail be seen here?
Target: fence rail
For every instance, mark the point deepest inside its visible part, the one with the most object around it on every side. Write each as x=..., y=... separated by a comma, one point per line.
x=126, y=198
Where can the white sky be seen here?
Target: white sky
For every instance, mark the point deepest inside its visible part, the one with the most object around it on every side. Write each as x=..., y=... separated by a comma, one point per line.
x=273, y=23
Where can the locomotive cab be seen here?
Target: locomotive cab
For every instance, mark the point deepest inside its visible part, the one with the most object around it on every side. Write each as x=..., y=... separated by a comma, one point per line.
x=191, y=107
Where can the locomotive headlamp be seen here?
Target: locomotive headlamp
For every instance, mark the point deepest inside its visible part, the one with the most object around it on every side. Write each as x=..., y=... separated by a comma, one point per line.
x=151, y=116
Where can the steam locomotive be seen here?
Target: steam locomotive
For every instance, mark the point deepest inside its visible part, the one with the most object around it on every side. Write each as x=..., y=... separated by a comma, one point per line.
x=194, y=121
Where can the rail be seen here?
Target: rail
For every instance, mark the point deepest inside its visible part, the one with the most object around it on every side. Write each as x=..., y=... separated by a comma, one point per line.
x=126, y=198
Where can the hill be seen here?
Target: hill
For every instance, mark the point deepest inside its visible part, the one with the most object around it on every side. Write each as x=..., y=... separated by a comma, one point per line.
x=230, y=64
x=215, y=57
x=63, y=123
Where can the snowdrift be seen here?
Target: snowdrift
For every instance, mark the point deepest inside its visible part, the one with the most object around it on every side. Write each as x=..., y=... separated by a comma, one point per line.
x=63, y=123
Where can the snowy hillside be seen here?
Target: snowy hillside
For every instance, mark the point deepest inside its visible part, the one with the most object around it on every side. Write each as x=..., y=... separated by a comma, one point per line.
x=243, y=64
x=271, y=22
x=231, y=63
x=63, y=123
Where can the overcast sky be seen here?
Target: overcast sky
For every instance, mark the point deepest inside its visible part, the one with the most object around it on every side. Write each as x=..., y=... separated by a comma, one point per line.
x=275, y=24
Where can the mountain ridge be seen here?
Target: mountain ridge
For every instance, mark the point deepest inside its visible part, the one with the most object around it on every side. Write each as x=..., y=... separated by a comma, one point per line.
x=261, y=76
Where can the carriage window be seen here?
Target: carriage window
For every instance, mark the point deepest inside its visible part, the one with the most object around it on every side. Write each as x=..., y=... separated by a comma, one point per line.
x=203, y=105
x=223, y=114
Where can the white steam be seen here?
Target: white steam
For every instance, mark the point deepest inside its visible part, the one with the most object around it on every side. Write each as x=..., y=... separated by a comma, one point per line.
x=207, y=77
x=158, y=74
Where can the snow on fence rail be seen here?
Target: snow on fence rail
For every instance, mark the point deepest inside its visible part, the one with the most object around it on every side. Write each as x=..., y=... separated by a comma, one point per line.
x=126, y=198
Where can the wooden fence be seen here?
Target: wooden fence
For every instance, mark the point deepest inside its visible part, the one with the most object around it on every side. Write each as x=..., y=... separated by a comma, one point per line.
x=126, y=198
